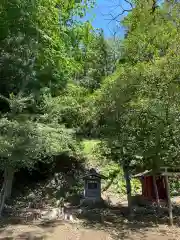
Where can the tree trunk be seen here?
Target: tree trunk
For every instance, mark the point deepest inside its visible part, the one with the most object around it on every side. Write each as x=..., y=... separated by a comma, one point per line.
x=2, y=190
x=6, y=188
x=3, y=193
x=169, y=201
x=156, y=192
x=10, y=176
x=128, y=188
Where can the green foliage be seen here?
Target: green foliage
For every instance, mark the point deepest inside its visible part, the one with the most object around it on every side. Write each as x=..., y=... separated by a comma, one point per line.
x=60, y=82
x=100, y=156
x=96, y=57
x=36, y=49
x=174, y=186
x=137, y=108
x=36, y=63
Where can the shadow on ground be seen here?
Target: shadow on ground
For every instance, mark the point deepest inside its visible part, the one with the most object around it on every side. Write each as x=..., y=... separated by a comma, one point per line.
x=113, y=220
x=11, y=229
x=116, y=221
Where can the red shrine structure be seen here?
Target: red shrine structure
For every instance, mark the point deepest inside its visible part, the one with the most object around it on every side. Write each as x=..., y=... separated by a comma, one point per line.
x=148, y=190
x=148, y=187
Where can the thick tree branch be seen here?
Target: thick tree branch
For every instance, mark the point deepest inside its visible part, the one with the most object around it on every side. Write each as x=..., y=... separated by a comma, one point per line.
x=112, y=177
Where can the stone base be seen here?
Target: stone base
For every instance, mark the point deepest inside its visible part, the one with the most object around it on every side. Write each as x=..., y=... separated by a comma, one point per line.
x=93, y=202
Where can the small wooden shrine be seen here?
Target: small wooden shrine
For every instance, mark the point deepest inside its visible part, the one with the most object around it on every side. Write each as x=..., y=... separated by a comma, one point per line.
x=148, y=189
x=155, y=186
x=92, y=185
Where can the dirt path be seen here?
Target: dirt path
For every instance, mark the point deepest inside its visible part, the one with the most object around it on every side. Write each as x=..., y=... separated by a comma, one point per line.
x=60, y=231
x=66, y=231
x=70, y=233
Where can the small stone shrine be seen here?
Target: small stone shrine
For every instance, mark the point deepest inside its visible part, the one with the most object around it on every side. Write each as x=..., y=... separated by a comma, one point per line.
x=92, y=185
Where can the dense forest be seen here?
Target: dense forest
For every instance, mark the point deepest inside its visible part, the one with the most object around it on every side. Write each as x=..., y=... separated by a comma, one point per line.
x=63, y=85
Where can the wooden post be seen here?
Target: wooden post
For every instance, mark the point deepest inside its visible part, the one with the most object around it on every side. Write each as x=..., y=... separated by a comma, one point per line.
x=168, y=198
x=156, y=191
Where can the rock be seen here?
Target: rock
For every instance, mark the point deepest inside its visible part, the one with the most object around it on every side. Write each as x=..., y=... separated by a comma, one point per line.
x=43, y=213
x=58, y=202
x=53, y=214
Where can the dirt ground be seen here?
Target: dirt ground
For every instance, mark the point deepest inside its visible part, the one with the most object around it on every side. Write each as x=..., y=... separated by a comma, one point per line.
x=97, y=224
x=73, y=232
x=119, y=229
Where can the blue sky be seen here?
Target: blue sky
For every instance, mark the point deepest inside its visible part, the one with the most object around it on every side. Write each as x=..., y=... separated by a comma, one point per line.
x=100, y=16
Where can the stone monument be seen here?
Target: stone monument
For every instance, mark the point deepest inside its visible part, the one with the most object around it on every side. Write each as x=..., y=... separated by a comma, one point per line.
x=92, y=185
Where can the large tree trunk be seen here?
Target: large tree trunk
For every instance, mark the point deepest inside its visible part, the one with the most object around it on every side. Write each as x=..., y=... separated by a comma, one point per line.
x=2, y=198
x=6, y=188
x=3, y=193
x=128, y=188
x=10, y=176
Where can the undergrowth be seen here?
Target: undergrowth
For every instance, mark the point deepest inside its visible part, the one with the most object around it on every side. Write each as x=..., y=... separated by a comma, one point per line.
x=110, y=169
